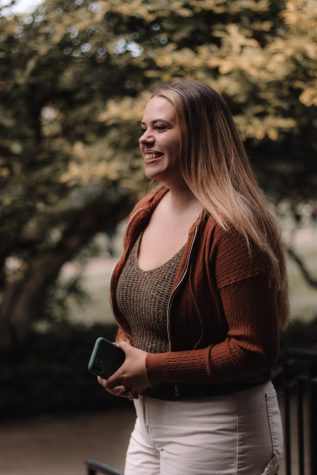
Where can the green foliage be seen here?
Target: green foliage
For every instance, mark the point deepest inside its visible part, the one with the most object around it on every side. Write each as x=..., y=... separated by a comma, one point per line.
x=300, y=334
x=75, y=76
x=48, y=374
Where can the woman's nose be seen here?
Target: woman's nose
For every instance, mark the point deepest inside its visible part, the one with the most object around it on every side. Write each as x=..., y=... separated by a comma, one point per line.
x=146, y=138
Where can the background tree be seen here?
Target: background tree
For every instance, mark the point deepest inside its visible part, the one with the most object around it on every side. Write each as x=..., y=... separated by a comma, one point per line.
x=73, y=80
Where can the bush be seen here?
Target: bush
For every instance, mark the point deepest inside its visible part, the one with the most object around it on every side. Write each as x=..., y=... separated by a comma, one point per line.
x=300, y=334
x=49, y=374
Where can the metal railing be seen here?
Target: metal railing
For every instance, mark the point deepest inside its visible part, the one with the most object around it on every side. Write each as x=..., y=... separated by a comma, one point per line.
x=295, y=379
x=94, y=467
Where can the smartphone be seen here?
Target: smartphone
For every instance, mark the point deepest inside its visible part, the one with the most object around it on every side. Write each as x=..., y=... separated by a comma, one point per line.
x=105, y=358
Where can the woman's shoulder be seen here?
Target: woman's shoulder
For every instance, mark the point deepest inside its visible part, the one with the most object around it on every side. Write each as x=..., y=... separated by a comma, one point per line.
x=234, y=256
x=223, y=235
x=228, y=236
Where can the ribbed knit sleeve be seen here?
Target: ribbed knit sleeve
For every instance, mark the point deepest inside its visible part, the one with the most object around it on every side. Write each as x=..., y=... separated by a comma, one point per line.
x=250, y=310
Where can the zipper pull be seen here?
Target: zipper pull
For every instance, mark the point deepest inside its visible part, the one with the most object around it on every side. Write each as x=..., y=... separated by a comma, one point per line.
x=176, y=390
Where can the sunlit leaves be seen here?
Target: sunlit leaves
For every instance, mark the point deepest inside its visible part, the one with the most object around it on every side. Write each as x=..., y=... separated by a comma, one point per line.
x=127, y=109
x=75, y=76
x=265, y=127
x=309, y=96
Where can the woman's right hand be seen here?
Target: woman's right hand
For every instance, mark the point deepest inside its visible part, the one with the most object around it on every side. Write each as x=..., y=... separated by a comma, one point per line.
x=118, y=391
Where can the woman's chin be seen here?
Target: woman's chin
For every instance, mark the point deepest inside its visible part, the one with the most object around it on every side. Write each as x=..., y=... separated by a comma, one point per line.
x=151, y=173
x=166, y=176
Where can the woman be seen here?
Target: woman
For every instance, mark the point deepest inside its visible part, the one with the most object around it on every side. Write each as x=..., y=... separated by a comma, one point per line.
x=199, y=294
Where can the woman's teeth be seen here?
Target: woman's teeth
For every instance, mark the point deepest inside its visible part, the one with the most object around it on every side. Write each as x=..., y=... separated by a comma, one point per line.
x=152, y=156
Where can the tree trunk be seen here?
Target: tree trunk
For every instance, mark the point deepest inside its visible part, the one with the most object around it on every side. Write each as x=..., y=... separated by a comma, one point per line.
x=23, y=299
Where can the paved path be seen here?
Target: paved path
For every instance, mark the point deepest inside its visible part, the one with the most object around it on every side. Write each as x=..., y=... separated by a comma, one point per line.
x=60, y=445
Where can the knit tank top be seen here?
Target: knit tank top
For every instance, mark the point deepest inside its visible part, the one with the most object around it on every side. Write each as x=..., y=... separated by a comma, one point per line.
x=143, y=297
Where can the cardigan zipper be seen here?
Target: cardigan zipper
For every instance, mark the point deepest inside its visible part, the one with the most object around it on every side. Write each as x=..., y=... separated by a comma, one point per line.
x=175, y=290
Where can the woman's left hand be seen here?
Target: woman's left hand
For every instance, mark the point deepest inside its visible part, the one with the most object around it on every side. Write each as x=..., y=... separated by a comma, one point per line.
x=132, y=374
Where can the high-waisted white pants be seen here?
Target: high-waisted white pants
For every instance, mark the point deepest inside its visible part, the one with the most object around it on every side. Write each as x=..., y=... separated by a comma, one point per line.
x=234, y=434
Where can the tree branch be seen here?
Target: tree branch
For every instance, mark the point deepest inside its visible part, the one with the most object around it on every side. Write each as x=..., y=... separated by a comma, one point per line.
x=309, y=279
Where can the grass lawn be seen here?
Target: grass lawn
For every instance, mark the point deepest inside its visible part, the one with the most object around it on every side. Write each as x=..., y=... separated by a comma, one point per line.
x=303, y=298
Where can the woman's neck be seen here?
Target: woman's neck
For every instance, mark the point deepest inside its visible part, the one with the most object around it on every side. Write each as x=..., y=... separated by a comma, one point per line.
x=181, y=199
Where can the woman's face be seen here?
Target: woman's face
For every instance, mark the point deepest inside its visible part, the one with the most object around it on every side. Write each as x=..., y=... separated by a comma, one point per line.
x=160, y=141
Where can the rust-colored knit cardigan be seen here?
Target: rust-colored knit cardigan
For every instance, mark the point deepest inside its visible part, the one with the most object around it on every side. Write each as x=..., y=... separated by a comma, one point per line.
x=222, y=318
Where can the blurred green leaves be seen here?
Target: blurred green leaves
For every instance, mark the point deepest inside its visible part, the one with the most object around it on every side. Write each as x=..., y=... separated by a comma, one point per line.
x=74, y=78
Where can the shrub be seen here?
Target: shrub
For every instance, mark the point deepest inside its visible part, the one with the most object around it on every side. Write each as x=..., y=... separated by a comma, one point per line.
x=49, y=374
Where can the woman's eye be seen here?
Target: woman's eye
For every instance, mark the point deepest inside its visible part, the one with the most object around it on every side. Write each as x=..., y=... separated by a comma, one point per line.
x=159, y=128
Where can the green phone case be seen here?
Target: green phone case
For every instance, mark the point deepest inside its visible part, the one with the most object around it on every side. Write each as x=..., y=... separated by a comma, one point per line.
x=105, y=358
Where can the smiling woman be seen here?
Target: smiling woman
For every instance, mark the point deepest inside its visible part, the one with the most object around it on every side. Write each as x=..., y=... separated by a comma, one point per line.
x=199, y=295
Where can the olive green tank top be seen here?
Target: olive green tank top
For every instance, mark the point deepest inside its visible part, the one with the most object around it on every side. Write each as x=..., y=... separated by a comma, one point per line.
x=143, y=298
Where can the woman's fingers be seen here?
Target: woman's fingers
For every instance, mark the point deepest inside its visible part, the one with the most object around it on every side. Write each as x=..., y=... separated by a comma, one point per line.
x=132, y=373
x=118, y=391
x=131, y=378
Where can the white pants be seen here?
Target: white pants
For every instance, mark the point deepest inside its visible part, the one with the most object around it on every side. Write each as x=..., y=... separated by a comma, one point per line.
x=235, y=434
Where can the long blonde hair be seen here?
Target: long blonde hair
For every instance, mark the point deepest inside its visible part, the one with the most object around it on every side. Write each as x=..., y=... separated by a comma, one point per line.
x=216, y=169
